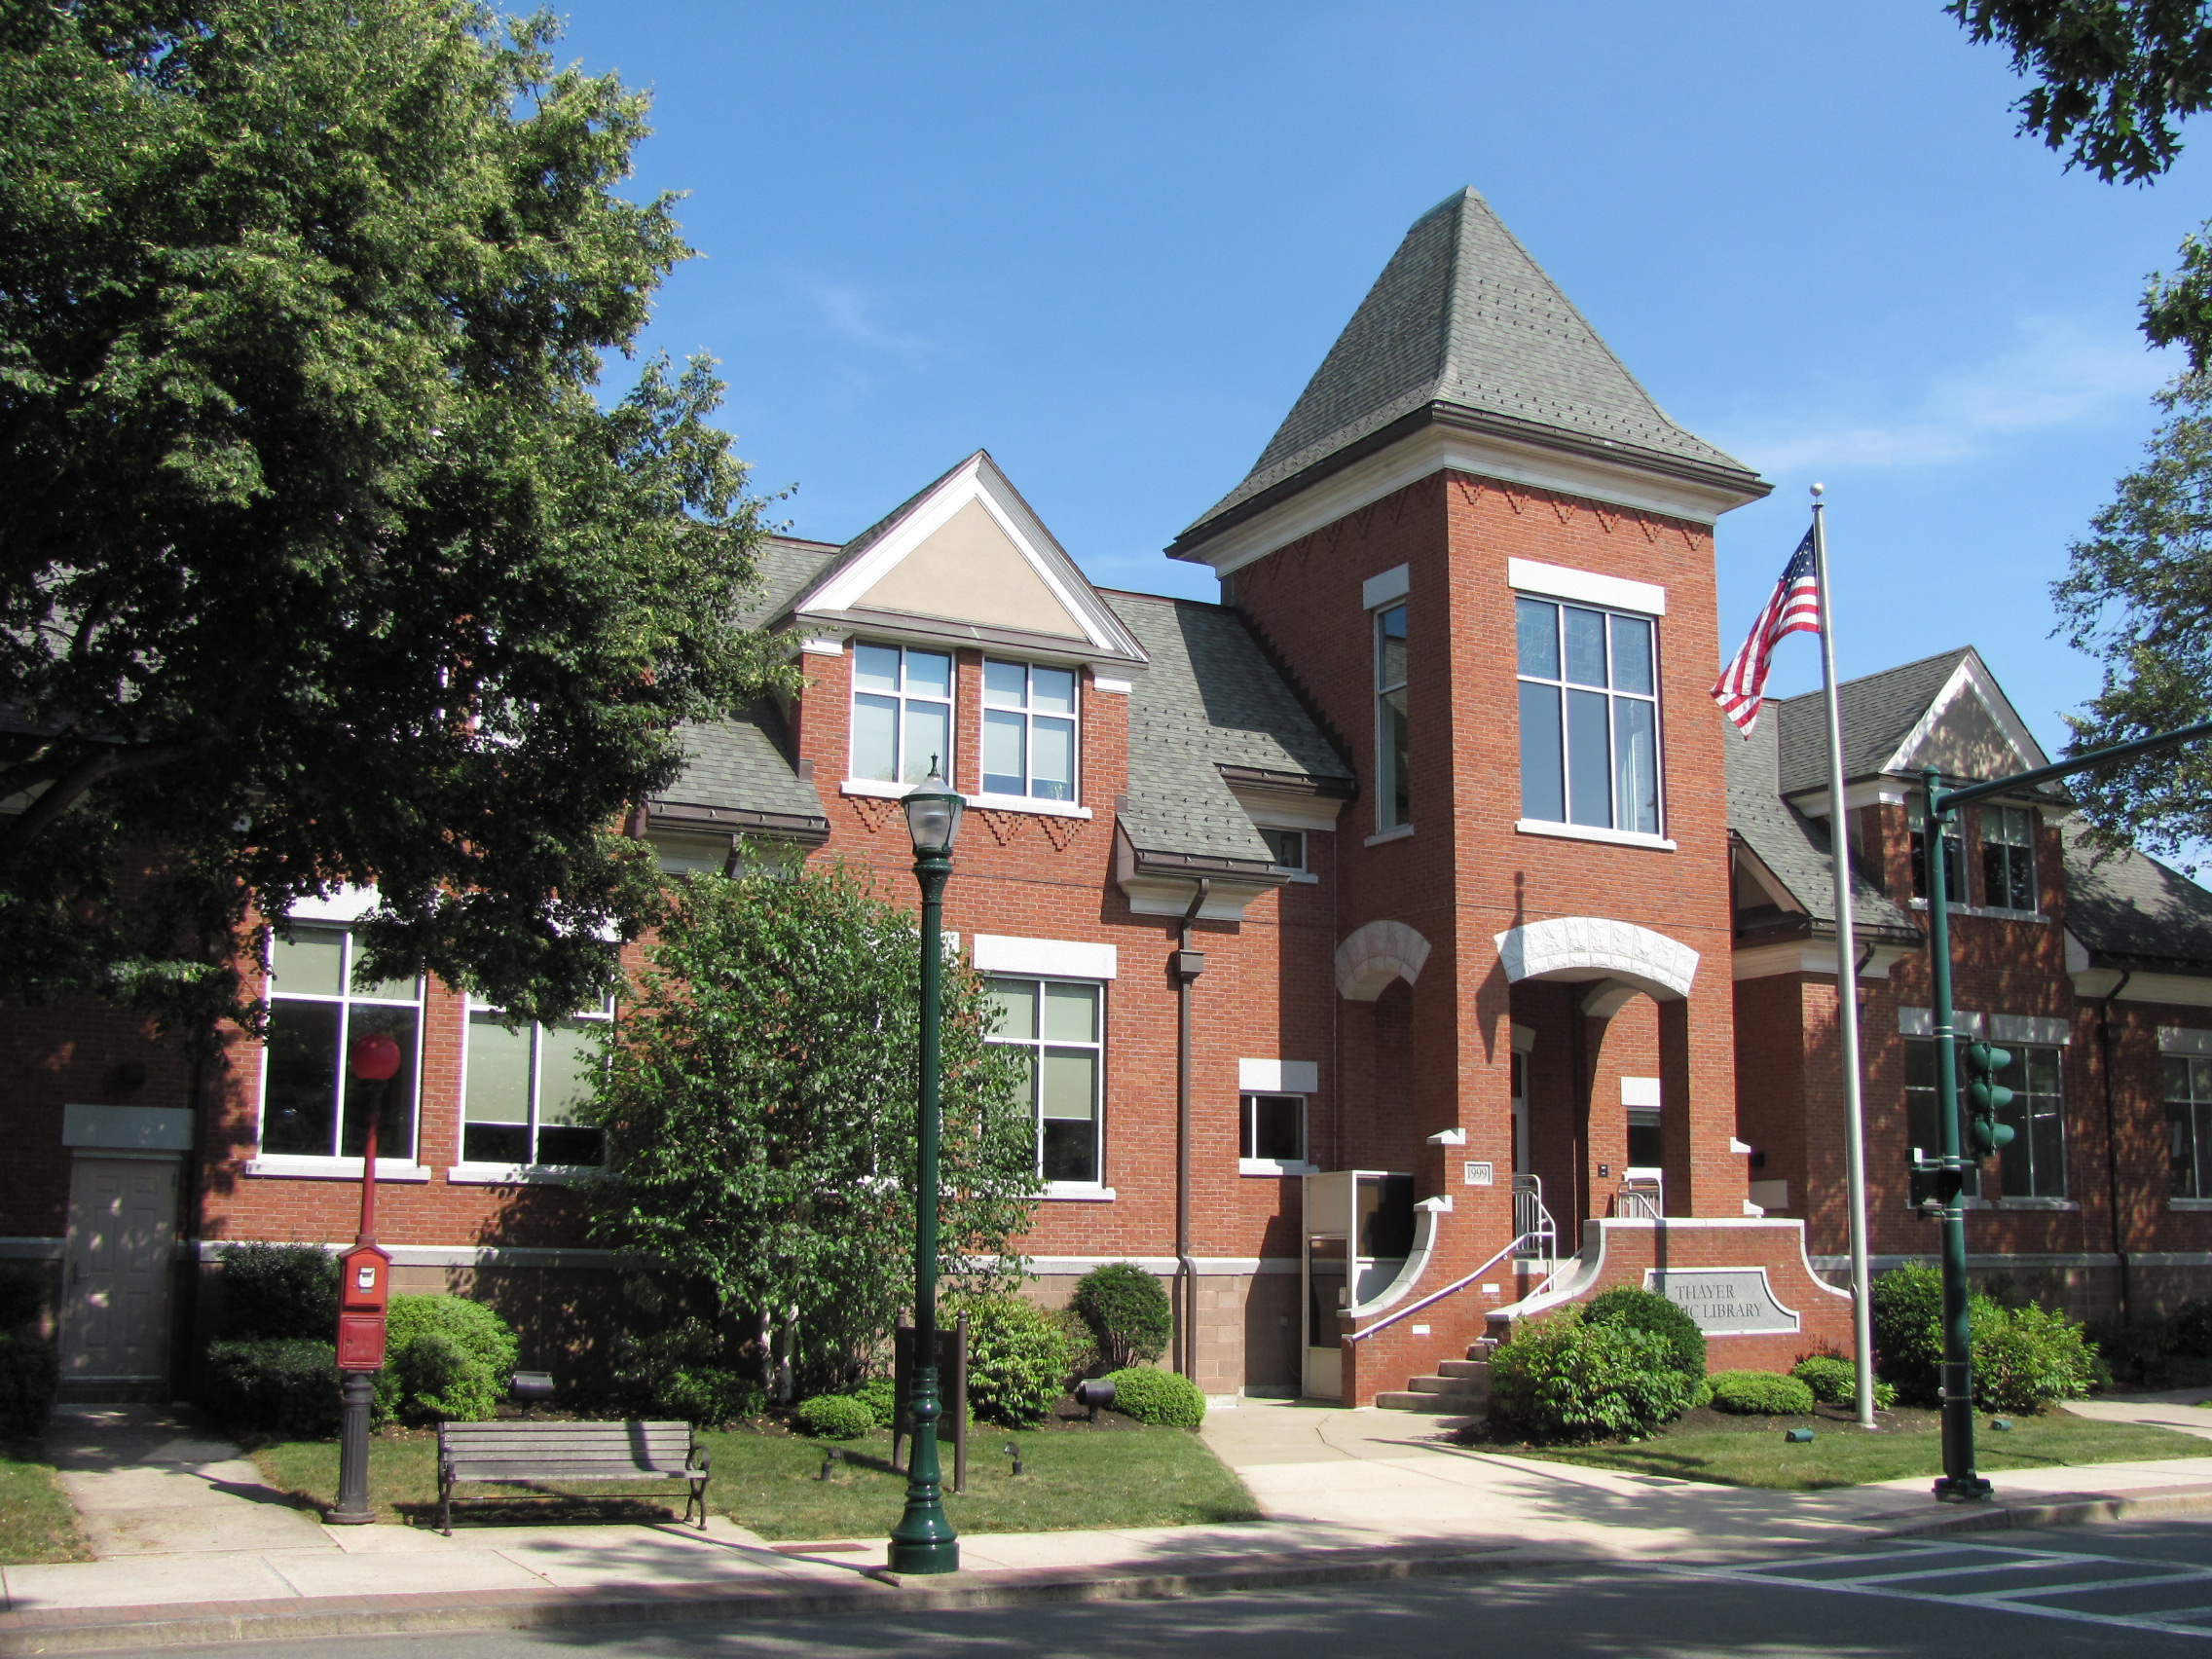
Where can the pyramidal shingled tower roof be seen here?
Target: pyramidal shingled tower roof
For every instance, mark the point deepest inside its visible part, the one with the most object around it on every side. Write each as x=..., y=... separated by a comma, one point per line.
x=1465, y=323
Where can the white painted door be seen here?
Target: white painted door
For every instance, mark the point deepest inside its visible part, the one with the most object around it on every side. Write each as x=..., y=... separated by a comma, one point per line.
x=122, y=1244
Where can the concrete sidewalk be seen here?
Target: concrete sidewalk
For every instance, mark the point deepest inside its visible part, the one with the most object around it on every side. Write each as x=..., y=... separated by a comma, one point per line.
x=194, y=1549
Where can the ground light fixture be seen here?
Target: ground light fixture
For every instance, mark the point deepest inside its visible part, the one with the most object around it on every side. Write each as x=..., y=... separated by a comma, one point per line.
x=924, y=1540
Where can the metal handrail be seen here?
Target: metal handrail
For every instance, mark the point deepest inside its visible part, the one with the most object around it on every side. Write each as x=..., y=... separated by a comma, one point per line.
x=1436, y=1296
x=1533, y=1219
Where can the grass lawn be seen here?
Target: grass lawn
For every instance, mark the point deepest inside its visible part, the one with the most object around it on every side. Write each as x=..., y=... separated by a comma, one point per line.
x=36, y=1521
x=1128, y=1475
x=1751, y=1452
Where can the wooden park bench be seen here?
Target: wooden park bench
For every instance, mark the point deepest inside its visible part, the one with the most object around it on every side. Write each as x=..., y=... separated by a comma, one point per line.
x=520, y=1452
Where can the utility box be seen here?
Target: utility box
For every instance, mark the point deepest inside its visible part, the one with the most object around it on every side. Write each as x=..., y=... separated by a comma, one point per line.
x=364, y=1292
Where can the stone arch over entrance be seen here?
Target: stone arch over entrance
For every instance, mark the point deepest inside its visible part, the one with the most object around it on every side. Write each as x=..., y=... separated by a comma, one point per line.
x=1373, y=955
x=1628, y=957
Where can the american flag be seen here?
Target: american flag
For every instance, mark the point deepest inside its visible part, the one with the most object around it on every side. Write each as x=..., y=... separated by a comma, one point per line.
x=1794, y=609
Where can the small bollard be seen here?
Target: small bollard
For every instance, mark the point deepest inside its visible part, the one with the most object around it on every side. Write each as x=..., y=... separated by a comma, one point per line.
x=1798, y=1436
x=1014, y=1452
x=831, y=1459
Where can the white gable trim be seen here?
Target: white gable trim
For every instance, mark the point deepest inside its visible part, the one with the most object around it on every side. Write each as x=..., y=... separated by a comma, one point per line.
x=978, y=479
x=1969, y=676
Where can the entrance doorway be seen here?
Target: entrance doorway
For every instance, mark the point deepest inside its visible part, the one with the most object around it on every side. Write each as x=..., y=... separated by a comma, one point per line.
x=121, y=1249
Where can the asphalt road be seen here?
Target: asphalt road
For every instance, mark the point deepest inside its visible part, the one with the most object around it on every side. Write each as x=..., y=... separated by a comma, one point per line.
x=2141, y=1590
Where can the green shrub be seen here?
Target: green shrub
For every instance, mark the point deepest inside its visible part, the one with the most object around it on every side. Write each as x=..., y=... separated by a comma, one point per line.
x=279, y=1291
x=1835, y=1382
x=1561, y=1378
x=285, y=1387
x=1127, y=1314
x=2191, y=1329
x=1760, y=1394
x=29, y=1376
x=833, y=1417
x=1642, y=1310
x=1158, y=1396
x=2024, y=1358
x=1017, y=1359
x=880, y=1395
x=1083, y=1347
x=23, y=1296
x=468, y=1354
x=708, y=1395
x=1908, y=1331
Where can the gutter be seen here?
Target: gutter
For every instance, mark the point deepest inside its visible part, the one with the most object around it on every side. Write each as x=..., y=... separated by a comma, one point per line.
x=2112, y=1136
x=1185, y=965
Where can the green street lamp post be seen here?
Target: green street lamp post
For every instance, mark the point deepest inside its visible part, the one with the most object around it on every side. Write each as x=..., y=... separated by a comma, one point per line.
x=924, y=1540
x=1959, y=1482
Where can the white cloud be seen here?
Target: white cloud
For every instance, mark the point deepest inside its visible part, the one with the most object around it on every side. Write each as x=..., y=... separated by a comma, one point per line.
x=2054, y=374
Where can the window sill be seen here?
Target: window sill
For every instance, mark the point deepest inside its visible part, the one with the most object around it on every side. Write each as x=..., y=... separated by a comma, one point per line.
x=519, y=1174
x=2189, y=1204
x=2032, y=1204
x=1984, y=912
x=1589, y=833
x=1397, y=835
x=1289, y=874
x=1078, y=1191
x=1275, y=1167
x=877, y=788
x=301, y=1168
x=1028, y=804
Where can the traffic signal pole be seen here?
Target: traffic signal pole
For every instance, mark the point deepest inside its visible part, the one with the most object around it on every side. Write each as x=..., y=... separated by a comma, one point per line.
x=1959, y=1483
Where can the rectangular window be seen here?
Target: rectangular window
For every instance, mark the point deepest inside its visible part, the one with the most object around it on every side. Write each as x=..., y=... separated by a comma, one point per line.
x=1922, y=1126
x=1029, y=725
x=1954, y=857
x=2034, y=1166
x=519, y=1103
x=1274, y=1128
x=1589, y=688
x=1646, y=1141
x=1393, y=787
x=2189, y=1126
x=1059, y=1025
x=1286, y=848
x=2007, y=858
x=902, y=714
x=311, y=1105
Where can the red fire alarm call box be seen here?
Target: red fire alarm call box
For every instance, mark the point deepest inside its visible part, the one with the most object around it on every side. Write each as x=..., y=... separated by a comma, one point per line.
x=364, y=1289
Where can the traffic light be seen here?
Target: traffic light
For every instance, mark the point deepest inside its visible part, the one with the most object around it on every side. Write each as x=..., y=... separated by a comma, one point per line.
x=1986, y=1098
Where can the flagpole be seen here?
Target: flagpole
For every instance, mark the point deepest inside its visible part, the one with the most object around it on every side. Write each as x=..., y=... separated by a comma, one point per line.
x=1846, y=988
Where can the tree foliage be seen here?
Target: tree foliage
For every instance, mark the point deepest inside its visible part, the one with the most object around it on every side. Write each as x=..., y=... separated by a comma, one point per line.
x=760, y=1111
x=320, y=560
x=2137, y=594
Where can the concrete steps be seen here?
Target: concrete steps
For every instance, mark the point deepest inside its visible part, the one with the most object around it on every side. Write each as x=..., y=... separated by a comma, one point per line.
x=1460, y=1388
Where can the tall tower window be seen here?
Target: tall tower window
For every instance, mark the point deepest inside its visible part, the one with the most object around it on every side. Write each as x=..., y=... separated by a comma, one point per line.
x=1393, y=789
x=1589, y=716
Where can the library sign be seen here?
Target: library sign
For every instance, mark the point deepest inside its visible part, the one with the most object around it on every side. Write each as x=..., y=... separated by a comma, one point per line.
x=1725, y=1302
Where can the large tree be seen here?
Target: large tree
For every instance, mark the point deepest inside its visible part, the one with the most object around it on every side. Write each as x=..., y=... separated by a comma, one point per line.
x=759, y=1106
x=320, y=559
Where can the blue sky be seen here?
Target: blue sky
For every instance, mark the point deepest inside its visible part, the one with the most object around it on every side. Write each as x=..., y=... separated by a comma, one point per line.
x=1110, y=244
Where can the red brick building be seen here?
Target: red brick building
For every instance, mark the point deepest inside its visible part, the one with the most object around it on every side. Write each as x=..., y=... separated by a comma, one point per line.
x=1422, y=867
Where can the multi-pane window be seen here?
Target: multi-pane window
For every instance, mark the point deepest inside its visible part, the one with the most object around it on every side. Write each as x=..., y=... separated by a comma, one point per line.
x=902, y=714
x=1028, y=730
x=1058, y=1026
x=1589, y=716
x=2007, y=858
x=523, y=1087
x=1954, y=856
x=2189, y=1126
x=1274, y=1128
x=1286, y=848
x=1393, y=789
x=311, y=1105
x=1923, y=1126
x=2034, y=1166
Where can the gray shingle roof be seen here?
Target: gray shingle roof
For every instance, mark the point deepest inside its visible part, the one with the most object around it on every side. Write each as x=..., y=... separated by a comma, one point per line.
x=1793, y=846
x=743, y=764
x=2131, y=909
x=1465, y=317
x=789, y=567
x=1210, y=699
x=1878, y=710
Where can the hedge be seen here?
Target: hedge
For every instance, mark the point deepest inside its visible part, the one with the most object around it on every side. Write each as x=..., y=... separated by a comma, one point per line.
x=282, y=1386
x=833, y=1417
x=29, y=1378
x=1760, y=1394
x=1127, y=1314
x=1158, y=1396
x=1017, y=1359
x=1561, y=1378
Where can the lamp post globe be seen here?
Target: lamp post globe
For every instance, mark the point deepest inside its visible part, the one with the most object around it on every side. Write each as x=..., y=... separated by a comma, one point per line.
x=924, y=1541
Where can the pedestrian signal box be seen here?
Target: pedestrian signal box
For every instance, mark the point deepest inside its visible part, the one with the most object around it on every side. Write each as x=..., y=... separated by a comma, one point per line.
x=364, y=1292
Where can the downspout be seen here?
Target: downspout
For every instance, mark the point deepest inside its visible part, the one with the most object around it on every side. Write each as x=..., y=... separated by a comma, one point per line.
x=1185, y=965
x=2112, y=1136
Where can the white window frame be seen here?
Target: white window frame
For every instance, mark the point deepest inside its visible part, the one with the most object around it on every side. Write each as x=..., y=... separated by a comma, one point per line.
x=1387, y=823
x=1026, y=797
x=469, y=1170
x=2004, y=817
x=1248, y=1165
x=1095, y=1189
x=950, y=703
x=1562, y=686
x=335, y=1164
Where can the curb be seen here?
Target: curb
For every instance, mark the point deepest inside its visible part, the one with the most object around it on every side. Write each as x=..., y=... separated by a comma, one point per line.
x=2063, y=1511
x=94, y=1630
